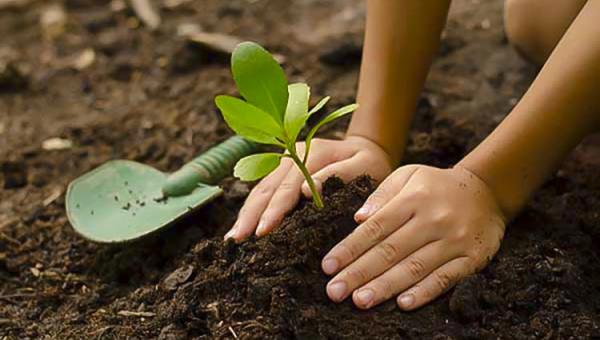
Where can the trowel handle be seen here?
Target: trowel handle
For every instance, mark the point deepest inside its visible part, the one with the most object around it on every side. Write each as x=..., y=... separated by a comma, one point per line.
x=210, y=167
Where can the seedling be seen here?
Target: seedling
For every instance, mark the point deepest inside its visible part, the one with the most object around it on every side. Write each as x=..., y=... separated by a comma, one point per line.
x=274, y=113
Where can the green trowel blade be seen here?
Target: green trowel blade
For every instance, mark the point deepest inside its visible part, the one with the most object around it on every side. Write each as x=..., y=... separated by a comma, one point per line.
x=122, y=201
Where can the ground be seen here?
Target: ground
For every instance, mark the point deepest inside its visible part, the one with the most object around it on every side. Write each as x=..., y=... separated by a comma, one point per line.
x=148, y=96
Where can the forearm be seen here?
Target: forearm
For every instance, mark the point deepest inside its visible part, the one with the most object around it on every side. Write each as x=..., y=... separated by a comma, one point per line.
x=560, y=108
x=401, y=38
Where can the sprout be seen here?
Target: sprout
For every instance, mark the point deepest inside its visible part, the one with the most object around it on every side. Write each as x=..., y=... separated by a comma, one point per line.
x=274, y=113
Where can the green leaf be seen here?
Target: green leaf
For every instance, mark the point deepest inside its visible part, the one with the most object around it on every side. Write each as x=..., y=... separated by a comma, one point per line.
x=319, y=105
x=249, y=121
x=260, y=79
x=329, y=118
x=296, y=112
x=257, y=166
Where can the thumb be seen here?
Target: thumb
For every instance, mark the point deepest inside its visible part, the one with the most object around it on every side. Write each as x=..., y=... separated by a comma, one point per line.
x=346, y=170
x=384, y=193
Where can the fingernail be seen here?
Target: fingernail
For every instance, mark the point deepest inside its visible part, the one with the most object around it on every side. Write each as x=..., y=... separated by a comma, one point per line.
x=231, y=233
x=330, y=266
x=261, y=229
x=365, y=297
x=305, y=186
x=336, y=290
x=363, y=212
x=405, y=301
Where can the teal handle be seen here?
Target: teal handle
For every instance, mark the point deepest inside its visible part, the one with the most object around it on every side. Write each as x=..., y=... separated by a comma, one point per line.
x=209, y=168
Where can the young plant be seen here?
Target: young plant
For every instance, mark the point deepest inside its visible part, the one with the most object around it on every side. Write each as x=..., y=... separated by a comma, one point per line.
x=274, y=113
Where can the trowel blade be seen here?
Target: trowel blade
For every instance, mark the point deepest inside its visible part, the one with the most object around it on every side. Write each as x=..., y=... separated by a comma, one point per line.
x=122, y=201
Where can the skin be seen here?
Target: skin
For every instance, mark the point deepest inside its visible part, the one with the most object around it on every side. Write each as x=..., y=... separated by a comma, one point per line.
x=424, y=229
x=535, y=39
x=280, y=191
x=400, y=41
x=560, y=108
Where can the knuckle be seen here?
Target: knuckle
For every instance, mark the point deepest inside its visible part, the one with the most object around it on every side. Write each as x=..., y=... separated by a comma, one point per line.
x=443, y=217
x=287, y=186
x=387, y=289
x=406, y=168
x=443, y=281
x=269, y=215
x=357, y=275
x=378, y=195
x=427, y=293
x=460, y=234
x=348, y=252
x=373, y=229
x=419, y=193
x=415, y=267
x=337, y=154
x=263, y=190
x=388, y=252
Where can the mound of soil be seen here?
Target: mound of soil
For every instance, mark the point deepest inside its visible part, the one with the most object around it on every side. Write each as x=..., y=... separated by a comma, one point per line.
x=272, y=288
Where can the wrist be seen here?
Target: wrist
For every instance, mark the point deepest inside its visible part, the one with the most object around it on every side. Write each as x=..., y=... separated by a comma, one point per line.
x=509, y=202
x=393, y=151
x=488, y=191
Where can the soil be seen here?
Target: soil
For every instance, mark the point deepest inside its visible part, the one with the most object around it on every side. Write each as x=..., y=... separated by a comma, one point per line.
x=147, y=96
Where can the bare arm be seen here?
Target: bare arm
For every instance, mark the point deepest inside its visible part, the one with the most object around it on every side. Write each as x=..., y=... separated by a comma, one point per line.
x=401, y=39
x=425, y=229
x=560, y=108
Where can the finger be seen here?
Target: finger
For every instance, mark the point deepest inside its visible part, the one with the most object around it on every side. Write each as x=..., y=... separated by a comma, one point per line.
x=346, y=170
x=287, y=195
x=383, y=256
x=392, y=217
x=283, y=200
x=403, y=275
x=256, y=203
x=386, y=191
x=436, y=284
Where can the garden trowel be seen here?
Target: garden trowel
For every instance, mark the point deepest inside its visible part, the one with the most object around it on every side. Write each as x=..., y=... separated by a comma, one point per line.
x=123, y=200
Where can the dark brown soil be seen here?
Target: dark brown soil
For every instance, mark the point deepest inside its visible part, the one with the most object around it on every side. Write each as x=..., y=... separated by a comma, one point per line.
x=148, y=97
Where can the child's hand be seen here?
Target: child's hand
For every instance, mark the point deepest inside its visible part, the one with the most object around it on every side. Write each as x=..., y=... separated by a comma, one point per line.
x=279, y=192
x=424, y=230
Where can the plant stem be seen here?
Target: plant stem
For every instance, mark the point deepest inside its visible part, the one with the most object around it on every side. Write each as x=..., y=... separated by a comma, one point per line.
x=311, y=184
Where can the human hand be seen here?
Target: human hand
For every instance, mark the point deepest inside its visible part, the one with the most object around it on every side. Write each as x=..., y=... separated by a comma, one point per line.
x=280, y=191
x=423, y=230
